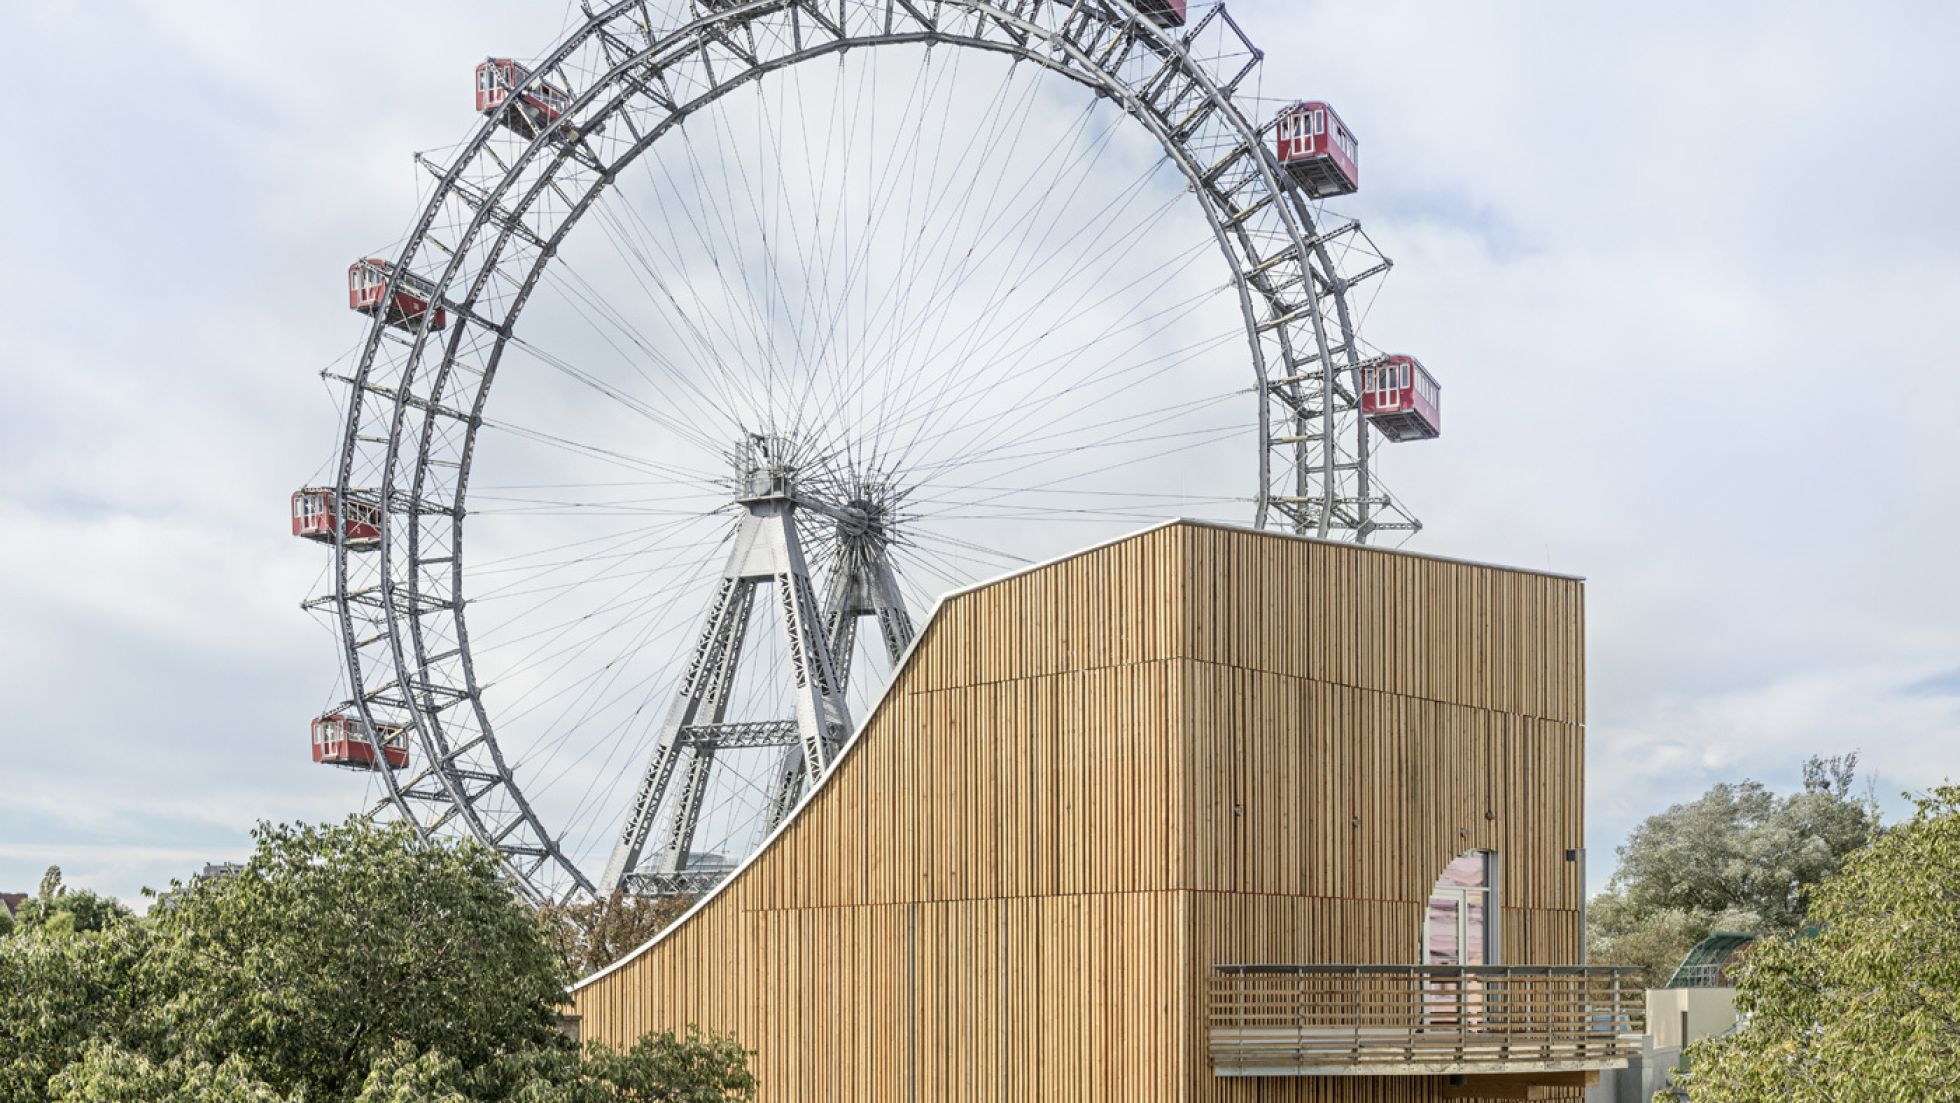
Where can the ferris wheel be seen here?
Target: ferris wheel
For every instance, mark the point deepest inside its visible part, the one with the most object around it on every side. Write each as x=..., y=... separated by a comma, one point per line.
x=839, y=331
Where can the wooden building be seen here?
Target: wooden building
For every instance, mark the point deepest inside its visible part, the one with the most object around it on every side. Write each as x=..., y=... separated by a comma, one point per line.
x=1199, y=814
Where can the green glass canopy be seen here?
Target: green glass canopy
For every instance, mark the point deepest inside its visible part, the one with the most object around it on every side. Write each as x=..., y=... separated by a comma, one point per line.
x=1707, y=965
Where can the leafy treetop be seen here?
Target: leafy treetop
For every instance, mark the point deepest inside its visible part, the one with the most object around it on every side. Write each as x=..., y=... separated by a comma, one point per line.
x=1865, y=1007
x=56, y=909
x=592, y=934
x=1739, y=857
x=350, y=962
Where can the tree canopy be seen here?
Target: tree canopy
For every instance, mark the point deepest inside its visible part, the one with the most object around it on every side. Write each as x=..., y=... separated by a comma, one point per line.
x=347, y=962
x=592, y=934
x=1739, y=857
x=1865, y=1006
x=58, y=909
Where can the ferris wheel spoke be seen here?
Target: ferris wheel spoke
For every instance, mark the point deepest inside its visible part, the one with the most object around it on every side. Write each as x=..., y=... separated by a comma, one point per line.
x=1076, y=154
x=1025, y=460
x=1018, y=420
x=658, y=619
x=837, y=334
x=1021, y=420
x=1140, y=495
x=527, y=560
x=956, y=564
x=689, y=395
x=836, y=359
x=1012, y=364
x=1012, y=280
x=702, y=340
x=613, y=457
x=648, y=623
x=614, y=743
x=652, y=504
x=1003, y=119
x=1005, y=439
x=651, y=254
x=957, y=267
x=559, y=588
x=1142, y=516
x=895, y=318
x=602, y=572
x=722, y=237
x=532, y=580
x=848, y=376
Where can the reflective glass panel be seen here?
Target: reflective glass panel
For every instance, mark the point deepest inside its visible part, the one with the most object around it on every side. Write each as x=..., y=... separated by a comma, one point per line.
x=1471, y=870
x=1441, y=946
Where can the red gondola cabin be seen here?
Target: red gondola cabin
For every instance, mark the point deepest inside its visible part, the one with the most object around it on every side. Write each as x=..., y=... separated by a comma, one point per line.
x=539, y=103
x=339, y=739
x=1318, y=150
x=1402, y=399
x=315, y=518
x=367, y=284
x=1168, y=13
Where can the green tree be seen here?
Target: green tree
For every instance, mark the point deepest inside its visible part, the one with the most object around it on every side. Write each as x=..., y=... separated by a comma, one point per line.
x=335, y=944
x=664, y=1068
x=106, y=1074
x=592, y=934
x=1739, y=857
x=661, y=1068
x=348, y=962
x=1866, y=1007
x=58, y=910
x=57, y=993
x=406, y=1077
x=1623, y=933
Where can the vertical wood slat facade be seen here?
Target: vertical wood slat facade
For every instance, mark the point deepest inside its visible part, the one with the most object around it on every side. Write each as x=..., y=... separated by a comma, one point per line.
x=1092, y=781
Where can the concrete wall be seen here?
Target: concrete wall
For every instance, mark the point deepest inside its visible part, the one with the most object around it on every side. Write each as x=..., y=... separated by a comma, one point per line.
x=1680, y=1017
x=1676, y=1018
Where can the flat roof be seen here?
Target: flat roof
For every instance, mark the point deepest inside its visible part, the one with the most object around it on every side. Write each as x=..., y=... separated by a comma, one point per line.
x=1228, y=526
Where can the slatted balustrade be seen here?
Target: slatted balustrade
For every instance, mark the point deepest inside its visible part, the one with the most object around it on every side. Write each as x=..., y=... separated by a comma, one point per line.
x=1336, y=1020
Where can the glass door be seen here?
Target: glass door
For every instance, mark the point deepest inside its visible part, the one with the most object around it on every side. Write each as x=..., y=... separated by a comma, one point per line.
x=1457, y=931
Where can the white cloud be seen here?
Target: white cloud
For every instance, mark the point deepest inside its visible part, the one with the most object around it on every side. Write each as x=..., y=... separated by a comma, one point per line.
x=1686, y=274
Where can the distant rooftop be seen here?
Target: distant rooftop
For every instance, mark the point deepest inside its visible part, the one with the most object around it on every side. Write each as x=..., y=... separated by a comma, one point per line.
x=212, y=871
x=1708, y=964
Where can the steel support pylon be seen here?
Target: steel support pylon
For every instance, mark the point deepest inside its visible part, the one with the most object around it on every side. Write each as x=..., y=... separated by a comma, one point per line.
x=767, y=549
x=863, y=586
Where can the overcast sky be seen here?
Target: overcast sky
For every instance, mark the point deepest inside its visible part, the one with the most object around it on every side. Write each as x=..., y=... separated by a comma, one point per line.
x=1687, y=272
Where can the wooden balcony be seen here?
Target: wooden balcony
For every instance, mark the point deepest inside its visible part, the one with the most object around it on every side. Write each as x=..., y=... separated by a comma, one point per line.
x=1417, y=1020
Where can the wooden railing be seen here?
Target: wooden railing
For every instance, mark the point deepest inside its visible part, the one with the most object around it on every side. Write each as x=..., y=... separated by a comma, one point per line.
x=1304, y=1020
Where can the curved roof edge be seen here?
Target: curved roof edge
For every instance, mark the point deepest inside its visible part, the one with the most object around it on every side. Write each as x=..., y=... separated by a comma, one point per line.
x=925, y=626
x=1707, y=961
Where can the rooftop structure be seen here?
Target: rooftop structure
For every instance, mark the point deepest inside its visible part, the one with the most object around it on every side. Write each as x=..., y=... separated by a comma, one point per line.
x=1201, y=814
x=1708, y=963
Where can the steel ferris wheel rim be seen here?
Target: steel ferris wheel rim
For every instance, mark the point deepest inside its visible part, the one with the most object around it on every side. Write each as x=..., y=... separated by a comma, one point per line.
x=395, y=667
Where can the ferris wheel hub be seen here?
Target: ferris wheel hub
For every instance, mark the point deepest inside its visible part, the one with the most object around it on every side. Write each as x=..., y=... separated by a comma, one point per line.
x=766, y=469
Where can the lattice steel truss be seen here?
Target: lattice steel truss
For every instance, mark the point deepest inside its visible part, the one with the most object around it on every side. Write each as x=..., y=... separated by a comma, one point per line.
x=503, y=204
x=768, y=550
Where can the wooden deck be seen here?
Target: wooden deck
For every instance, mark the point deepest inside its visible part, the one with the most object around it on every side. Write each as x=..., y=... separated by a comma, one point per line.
x=1393, y=1020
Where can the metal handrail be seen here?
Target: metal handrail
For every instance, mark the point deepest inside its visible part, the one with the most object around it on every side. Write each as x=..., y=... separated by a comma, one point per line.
x=1514, y=970
x=1269, y=1019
